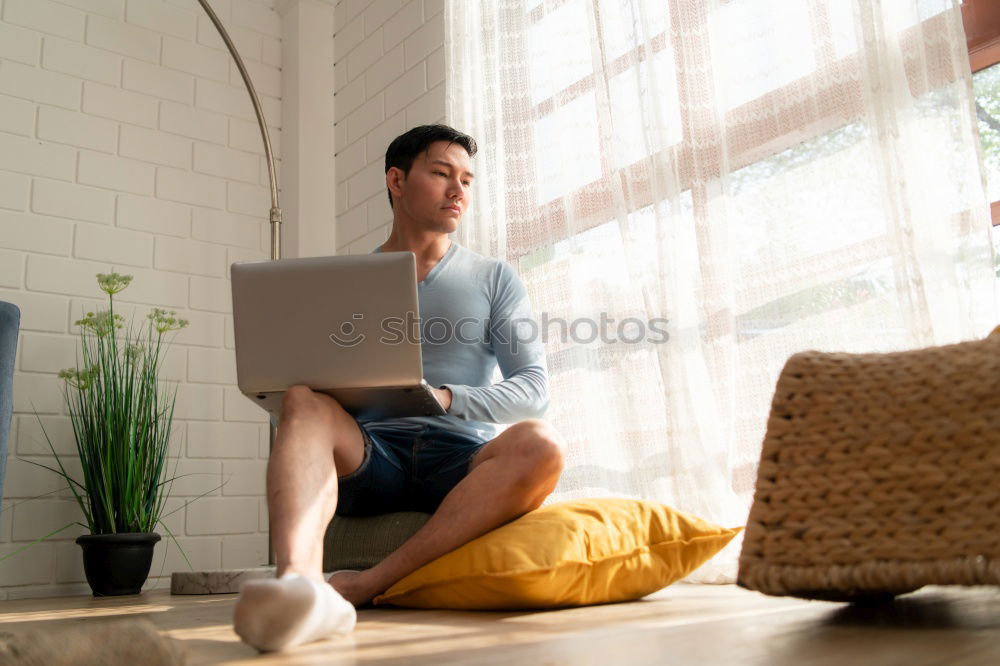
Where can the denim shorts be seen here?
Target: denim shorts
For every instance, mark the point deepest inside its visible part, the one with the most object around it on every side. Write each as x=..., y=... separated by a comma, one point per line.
x=406, y=471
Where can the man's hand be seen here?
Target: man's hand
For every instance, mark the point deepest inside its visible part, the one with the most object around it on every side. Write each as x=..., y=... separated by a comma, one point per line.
x=444, y=397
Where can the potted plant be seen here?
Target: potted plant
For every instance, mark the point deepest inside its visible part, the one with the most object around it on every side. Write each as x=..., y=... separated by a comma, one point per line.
x=121, y=415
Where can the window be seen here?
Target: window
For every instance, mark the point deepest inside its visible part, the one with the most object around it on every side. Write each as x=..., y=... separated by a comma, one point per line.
x=569, y=41
x=766, y=107
x=982, y=31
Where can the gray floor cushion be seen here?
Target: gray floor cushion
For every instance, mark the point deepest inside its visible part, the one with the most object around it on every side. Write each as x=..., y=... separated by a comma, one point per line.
x=363, y=542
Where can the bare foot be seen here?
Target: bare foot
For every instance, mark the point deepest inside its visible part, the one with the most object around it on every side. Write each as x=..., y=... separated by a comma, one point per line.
x=352, y=585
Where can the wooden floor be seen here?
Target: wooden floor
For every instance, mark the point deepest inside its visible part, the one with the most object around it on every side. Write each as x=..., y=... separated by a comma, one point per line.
x=683, y=624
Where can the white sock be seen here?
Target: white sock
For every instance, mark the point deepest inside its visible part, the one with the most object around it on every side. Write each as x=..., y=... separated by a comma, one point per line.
x=274, y=614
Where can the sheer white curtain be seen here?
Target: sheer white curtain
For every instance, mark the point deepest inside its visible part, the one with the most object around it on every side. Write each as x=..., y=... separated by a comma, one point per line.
x=765, y=176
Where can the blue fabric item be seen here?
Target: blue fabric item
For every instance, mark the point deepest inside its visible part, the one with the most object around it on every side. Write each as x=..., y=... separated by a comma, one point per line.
x=10, y=319
x=475, y=316
x=406, y=471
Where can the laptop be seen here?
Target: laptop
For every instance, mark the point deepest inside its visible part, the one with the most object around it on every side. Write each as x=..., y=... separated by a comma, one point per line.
x=345, y=326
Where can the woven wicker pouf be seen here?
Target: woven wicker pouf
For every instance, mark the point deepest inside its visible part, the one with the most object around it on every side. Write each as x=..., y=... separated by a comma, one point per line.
x=363, y=542
x=880, y=473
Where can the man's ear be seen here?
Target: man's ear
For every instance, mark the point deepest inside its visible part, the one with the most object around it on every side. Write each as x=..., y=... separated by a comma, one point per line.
x=394, y=180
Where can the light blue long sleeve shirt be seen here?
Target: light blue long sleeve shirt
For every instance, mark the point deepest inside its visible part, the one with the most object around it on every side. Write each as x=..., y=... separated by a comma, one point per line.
x=474, y=317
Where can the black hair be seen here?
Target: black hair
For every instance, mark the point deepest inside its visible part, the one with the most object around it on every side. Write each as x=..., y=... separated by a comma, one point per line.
x=405, y=147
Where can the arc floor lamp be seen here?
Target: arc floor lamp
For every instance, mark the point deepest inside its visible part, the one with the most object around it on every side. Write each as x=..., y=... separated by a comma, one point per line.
x=228, y=581
x=275, y=213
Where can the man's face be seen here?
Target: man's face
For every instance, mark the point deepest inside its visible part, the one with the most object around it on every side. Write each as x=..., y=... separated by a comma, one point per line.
x=438, y=189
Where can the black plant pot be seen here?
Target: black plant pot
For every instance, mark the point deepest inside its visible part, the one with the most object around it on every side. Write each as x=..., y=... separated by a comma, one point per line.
x=117, y=564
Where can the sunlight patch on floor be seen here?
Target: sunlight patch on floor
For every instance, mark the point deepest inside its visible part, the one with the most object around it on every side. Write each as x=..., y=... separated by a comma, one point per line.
x=85, y=612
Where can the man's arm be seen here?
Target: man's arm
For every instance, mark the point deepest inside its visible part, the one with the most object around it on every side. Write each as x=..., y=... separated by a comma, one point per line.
x=516, y=342
x=443, y=396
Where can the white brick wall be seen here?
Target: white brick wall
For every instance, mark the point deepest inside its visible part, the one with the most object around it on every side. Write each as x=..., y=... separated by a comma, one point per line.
x=29, y=82
x=19, y=44
x=389, y=77
x=115, y=173
x=16, y=116
x=127, y=141
x=76, y=202
x=77, y=129
x=154, y=146
x=118, y=104
x=81, y=60
x=47, y=17
x=14, y=190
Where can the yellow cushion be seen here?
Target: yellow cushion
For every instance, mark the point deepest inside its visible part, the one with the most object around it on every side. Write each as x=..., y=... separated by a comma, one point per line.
x=568, y=554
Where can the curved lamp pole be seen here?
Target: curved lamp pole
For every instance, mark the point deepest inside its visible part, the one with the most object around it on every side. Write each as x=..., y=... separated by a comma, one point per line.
x=275, y=215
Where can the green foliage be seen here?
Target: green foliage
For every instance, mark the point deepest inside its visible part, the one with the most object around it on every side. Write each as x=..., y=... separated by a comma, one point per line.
x=986, y=84
x=112, y=283
x=121, y=416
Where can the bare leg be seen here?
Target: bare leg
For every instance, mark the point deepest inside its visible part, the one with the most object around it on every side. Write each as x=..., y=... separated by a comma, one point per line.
x=510, y=476
x=316, y=439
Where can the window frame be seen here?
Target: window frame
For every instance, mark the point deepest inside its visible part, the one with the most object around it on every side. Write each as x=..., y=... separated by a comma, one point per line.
x=982, y=32
x=982, y=38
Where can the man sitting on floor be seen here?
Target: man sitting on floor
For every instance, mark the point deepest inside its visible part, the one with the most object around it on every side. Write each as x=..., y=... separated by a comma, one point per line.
x=455, y=466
